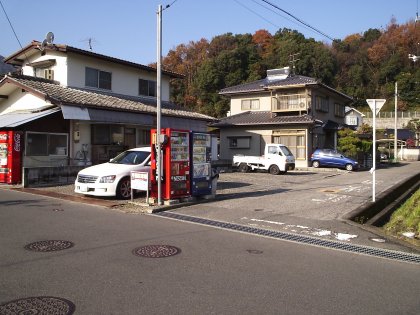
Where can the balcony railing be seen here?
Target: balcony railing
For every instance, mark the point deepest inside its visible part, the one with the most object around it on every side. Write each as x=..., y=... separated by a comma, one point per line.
x=287, y=103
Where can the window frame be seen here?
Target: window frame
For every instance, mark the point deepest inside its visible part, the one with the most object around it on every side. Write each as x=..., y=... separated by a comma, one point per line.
x=239, y=142
x=254, y=104
x=339, y=110
x=102, y=82
x=151, y=87
x=47, y=143
x=322, y=104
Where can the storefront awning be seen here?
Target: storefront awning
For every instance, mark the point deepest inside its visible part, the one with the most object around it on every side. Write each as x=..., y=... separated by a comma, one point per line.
x=19, y=118
x=105, y=116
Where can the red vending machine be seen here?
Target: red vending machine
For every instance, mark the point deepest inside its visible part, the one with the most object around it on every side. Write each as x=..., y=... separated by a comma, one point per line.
x=175, y=164
x=11, y=157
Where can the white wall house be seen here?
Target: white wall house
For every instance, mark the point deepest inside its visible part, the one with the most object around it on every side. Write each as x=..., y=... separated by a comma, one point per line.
x=294, y=110
x=93, y=105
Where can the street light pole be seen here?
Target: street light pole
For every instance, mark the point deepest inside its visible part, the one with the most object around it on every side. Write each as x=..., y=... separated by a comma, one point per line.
x=159, y=104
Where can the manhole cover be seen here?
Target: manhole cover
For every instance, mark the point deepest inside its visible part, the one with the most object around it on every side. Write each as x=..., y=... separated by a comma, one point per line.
x=41, y=305
x=49, y=246
x=156, y=251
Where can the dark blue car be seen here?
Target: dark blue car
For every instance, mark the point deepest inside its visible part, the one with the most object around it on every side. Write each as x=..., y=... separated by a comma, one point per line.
x=332, y=158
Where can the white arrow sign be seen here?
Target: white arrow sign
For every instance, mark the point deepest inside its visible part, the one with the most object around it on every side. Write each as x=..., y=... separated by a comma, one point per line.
x=375, y=104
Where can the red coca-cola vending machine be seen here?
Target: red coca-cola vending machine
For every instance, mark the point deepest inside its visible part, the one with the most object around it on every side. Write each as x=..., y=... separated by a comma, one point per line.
x=11, y=157
x=175, y=164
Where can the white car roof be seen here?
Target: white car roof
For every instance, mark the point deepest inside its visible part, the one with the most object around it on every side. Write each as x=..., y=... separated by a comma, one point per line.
x=144, y=149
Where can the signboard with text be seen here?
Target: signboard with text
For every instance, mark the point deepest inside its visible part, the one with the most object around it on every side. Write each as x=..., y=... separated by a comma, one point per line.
x=140, y=180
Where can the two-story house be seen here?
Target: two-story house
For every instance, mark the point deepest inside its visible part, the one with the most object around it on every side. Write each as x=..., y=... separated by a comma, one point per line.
x=294, y=110
x=74, y=105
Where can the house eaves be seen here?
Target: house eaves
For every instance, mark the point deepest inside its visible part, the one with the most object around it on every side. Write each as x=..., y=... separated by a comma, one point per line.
x=290, y=82
x=18, y=57
x=67, y=96
x=259, y=118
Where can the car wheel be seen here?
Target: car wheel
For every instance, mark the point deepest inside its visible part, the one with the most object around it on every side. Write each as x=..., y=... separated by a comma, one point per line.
x=274, y=170
x=349, y=167
x=243, y=168
x=124, y=188
x=315, y=164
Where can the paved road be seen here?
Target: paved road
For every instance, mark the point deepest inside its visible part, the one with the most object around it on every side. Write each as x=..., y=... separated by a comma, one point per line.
x=303, y=202
x=217, y=271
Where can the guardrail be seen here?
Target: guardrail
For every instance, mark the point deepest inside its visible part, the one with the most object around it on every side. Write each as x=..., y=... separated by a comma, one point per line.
x=407, y=115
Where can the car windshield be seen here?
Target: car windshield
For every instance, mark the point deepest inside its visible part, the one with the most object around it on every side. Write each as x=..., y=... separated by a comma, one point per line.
x=286, y=151
x=130, y=157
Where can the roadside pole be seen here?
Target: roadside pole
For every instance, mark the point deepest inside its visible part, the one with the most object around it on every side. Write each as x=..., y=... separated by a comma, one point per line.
x=375, y=105
x=159, y=103
x=395, y=125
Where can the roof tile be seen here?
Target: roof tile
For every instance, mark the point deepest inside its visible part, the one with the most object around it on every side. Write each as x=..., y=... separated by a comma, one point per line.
x=59, y=94
x=262, y=118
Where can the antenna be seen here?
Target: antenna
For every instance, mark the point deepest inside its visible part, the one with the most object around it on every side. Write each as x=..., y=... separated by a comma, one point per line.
x=43, y=44
x=90, y=41
x=293, y=61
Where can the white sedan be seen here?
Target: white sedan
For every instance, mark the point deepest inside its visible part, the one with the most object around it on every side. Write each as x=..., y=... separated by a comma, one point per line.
x=113, y=178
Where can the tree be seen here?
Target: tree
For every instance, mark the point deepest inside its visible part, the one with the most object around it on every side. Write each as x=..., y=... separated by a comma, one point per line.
x=348, y=142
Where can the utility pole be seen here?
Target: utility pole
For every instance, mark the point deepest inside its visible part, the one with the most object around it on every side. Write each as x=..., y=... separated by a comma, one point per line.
x=159, y=103
x=395, y=125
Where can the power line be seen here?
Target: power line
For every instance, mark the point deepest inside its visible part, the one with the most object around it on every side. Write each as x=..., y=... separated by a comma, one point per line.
x=299, y=20
x=284, y=17
x=259, y=15
x=169, y=5
x=10, y=23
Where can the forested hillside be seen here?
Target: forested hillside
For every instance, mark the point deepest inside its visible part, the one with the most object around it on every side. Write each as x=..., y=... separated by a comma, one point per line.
x=362, y=65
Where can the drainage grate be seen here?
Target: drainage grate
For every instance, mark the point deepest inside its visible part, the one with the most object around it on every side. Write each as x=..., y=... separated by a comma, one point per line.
x=366, y=250
x=156, y=251
x=42, y=305
x=49, y=246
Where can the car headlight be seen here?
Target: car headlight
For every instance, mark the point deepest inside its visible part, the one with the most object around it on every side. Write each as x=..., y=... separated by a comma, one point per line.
x=107, y=179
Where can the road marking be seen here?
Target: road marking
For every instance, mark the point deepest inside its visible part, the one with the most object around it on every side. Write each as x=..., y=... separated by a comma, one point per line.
x=296, y=228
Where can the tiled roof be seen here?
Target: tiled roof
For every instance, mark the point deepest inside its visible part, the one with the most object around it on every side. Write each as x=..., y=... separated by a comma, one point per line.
x=264, y=84
x=254, y=118
x=61, y=95
x=16, y=58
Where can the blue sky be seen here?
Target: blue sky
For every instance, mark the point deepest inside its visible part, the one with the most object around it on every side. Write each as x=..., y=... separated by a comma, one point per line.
x=126, y=29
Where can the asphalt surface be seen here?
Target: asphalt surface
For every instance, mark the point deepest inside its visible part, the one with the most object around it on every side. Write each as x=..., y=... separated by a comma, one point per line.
x=216, y=271
x=307, y=202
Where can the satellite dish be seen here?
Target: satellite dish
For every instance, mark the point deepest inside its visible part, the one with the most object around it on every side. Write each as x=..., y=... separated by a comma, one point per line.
x=302, y=105
x=49, y=37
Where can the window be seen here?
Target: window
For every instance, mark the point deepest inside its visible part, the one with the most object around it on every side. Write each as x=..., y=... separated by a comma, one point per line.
x=147, y=87
x=45, y=144
x=239, y=142
x=143, y=136
x=338, y=110
x=98, y=79
x=49, y=74
x=321, y=104
x=290, y=102
x=250, y=104
x=294, y=140
x=107, y=134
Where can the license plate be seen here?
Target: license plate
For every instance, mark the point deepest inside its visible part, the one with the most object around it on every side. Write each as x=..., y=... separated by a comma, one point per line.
x=83, y=188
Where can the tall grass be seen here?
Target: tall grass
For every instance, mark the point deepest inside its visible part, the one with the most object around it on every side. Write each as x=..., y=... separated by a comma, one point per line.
x=406, y=218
